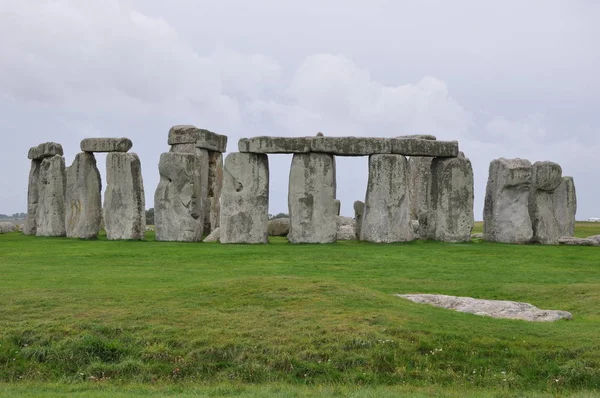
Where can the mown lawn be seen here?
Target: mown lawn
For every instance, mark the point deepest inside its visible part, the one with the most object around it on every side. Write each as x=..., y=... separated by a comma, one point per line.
x=135, y=318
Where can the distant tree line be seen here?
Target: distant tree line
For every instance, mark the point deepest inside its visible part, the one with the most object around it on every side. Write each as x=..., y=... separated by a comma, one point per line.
x=16, y=215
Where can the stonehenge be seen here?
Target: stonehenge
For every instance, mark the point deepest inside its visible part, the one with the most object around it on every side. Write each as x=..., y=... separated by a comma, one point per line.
x=527, y=203
x=418, y=187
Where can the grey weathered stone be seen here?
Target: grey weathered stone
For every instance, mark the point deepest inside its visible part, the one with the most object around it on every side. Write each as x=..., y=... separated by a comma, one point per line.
x=351, y=146
x=386, y=215
x=337, y=205
x=32, y=197
x=572, y=241
x=477, y=236
x=421, y=147
x=124, y=201
x=450, y=216
x=312, y=189
x=419, y=169
x=6, y=227
x=415, y=227
x=178, y=200
x=594, y=237
x=214, y=236
x=546, y=178
x=106, y=144
x=275, y=144
x=341, y=221
x=50, y=212
x=45, y=150
x=205, y=139
x=506, y=209
x=491, y=308
x=346, y=232
x=279, y=227
x=418, y=136
x=245, y=198
x=212, y=213
x=83, y=198
x=183, y=148
x=359, y=210
x=565, y=206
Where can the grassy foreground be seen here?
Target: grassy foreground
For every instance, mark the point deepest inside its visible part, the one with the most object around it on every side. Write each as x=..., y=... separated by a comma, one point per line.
x=107, y=318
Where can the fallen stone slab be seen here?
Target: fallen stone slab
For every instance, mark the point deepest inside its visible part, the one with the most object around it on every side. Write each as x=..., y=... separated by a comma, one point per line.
x=346, y=232
x=275, y=144
x=351, y=146
x=279, y=227
x=477, y=236
x=106, y=144
x=595, y=237
x=572, y=241
x=491, y=308
x=214, y=236
x=45, y=150
x=421, y=147
x=83, y=198
x=202, y=138
x=506, y=209
x=6, y=227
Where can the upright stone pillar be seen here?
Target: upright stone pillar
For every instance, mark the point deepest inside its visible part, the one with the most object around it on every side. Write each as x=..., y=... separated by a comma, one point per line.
x=178, y=200
x=124, y=207
x=311, y=199
x=386, y=216
x=506, y=209
x=36, y=154
x=565, y=206
x=419, y=169
x=83, y=198
x=450, y=216
x=546, y=178
x=50, y=212
x=245, y=199
x=214, y=186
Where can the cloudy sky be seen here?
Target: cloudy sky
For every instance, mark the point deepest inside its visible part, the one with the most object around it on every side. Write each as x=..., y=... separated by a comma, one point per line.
x=506, y=78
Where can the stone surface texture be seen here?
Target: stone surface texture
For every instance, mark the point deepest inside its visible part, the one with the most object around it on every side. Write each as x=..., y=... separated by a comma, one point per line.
x=450, y=217
x=546, y=178
x=311, y=195
x=32, y=197
x=83, y=198
x=201, y=138
x=359, y=210
x=594, y=237
x=419, y=169
x=6, y=227
x=572, y=241
x=45, y=150
x=106, y=144
x=337, y=206
x=565, y=206
x=492, y=308
x=386, y=215
x=212, y=213
x=350, y=146
x=213, y=236
x=346, y=232
x=424, y=147
x=245, y=198
x=50, y=212
x=279, y=227
x=275, y=144
x=178, y=200
x=506, y=208
x=124, y=202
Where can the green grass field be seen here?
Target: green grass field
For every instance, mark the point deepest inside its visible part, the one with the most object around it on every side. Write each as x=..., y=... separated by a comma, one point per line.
x=102, y=318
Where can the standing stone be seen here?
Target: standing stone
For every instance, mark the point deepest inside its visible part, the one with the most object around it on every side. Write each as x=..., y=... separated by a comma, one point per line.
x=83, y=199
x=450, y=217
x=506, y=209
x=311, y=196
x=419, y=168
x=546, y=178
x=359, y=209
x=32, y=197
x=212, y=213
x=124, y=207
x=245, y=198
x=337, y=205
x=565, y=206
x=50, y=213
x=178, y=200
x=387, y=208
x=45, y=150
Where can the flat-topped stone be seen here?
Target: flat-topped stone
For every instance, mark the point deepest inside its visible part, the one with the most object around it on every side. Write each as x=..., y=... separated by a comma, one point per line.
x=350, y=146
x=106, y=144
x=45, y=150
x=187, y=134
x=275, y=144
x=419, y=136
x=573, y=241
x=424, y=147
